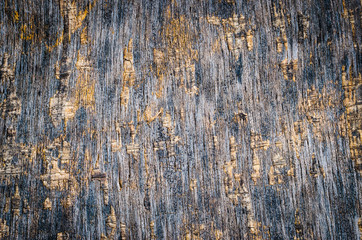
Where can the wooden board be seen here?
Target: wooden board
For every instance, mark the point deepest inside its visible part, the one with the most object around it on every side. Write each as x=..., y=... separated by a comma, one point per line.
x=180, y=119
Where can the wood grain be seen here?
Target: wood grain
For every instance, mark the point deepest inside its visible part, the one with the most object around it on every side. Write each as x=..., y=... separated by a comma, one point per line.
x=180, y=119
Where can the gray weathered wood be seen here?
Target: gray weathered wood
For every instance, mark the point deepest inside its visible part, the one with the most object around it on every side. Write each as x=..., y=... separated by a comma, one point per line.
x=180, y=119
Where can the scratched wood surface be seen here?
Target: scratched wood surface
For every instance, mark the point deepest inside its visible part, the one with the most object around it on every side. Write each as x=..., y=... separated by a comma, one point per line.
x=195, y=119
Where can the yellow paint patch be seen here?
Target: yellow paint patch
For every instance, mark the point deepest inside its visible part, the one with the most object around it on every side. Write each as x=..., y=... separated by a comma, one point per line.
x=179, y=52
x=27, y=32
x=150, y=114
x=129, y=73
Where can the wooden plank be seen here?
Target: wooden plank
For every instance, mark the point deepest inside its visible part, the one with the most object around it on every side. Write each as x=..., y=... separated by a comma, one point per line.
x=180, y=119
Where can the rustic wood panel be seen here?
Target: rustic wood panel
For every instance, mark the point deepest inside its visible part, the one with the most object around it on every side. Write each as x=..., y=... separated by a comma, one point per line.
x=183, y=119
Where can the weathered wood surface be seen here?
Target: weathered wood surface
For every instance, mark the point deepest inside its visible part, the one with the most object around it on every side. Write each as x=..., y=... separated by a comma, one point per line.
x=180, y=119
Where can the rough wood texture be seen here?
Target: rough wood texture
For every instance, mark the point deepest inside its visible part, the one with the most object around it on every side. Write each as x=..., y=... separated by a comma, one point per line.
x=180, y=119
